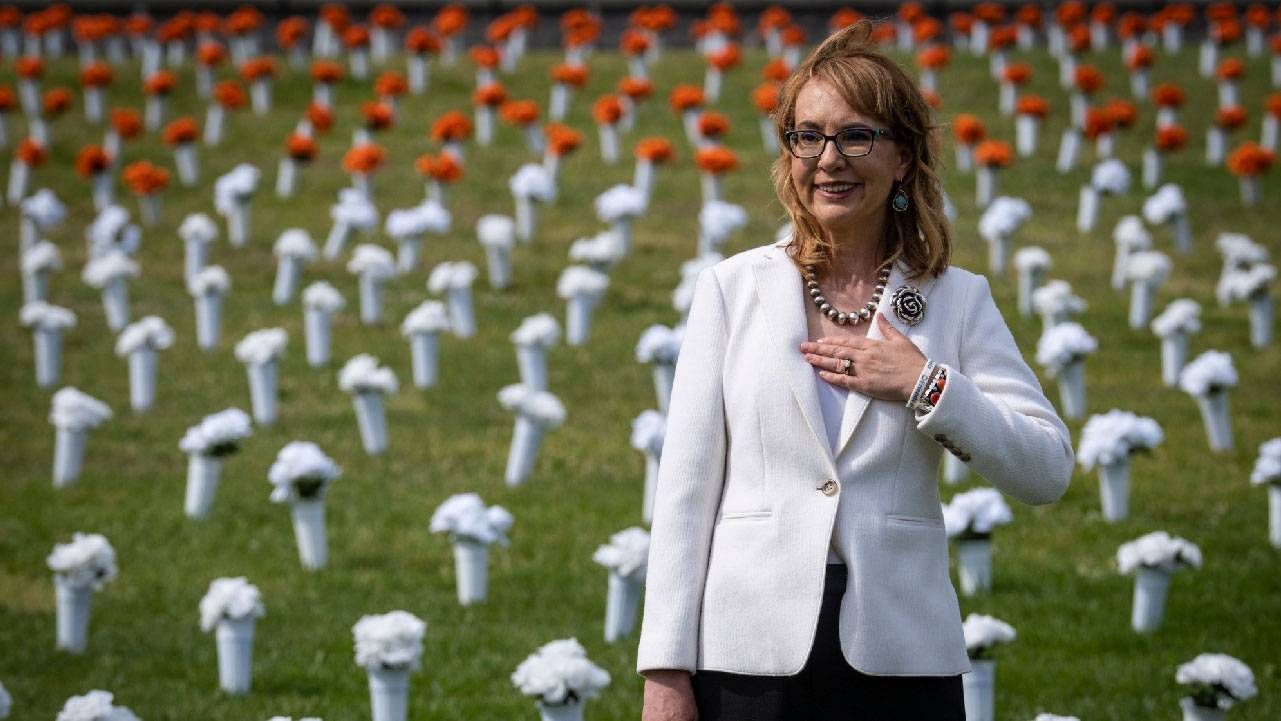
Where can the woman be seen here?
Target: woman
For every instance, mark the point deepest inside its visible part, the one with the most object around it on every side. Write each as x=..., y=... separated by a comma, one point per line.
x=799, y=565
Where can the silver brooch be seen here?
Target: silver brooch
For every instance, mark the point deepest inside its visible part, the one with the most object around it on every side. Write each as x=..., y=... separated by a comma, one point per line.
x=908, y=304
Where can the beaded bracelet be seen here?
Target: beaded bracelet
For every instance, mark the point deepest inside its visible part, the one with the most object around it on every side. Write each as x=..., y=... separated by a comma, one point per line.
x=922, y=381
x=933, y=391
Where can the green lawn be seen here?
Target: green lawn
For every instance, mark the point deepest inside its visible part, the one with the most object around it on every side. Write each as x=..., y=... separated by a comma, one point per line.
x=1055, y=579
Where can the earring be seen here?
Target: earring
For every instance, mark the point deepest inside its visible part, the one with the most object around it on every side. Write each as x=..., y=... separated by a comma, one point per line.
x=900, y=202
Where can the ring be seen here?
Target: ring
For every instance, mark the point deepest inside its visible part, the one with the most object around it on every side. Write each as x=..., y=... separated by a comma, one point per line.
x=847, y=366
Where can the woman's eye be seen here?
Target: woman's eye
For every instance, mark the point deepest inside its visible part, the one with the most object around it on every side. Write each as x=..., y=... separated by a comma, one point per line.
x=860, y=135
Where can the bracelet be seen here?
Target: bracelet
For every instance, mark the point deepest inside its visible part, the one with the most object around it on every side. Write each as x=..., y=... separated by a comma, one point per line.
x=921, y=382
x=934, y=391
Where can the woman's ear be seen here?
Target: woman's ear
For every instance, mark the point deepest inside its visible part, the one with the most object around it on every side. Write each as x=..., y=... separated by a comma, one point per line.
x=904, y=163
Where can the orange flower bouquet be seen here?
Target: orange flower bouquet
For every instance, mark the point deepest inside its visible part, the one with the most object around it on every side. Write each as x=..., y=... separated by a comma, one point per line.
x=439, y=171
x=714, y=162
x=649, y=152
x=1086, y=82
x=258, y=73
x=566, y=79
x=524, y=115
x=227, y=96
x=607, y=111
x=420, y=44
x=209, y=55
x=1099, y=128
x=53, y=105
x=561, y=141
x=125, y=124
x=1271, y=121
x=1248, y=162
x=989, y=157
x=1229, y=74
x=6, y=106
x=384, y=20
x=486, y=99
x=1258, y=21
x=967, y=131
x=181, y=136
x=1138, y=60
x=290, y=33
x=1013, y=76
x=1223, y=32
x=1168, y=98
x=634, y=43
x=450, y=130
x=94, y=79
x=30, y=155
x=931, y=60
x=687, y=100
x=30, y=69
x=375, y=117
x=146, y=181
x=717, y=64
x=1226, y=121
x=655, y=21
x=765, y=98
x=157, y=87
x=299, y=150
x=356, y=39
x=449, y=24
x=770, y=26
x=318, y=119
x=486, y=59
x=360, y=162
x=93, y=164
x=324, y=75
x=1168, y=139
x=632, y=91
x=389, y=86
x=332, y=21
x=711, y=126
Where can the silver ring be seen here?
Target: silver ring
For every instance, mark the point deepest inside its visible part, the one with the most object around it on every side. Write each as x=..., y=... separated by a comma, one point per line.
x=847, y=366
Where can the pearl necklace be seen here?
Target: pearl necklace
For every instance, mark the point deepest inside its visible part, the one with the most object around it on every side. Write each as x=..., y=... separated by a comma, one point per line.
x=836, y=316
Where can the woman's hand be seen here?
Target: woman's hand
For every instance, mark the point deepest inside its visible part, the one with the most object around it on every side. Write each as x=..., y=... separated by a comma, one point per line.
x=669, y=696
x=885, y=369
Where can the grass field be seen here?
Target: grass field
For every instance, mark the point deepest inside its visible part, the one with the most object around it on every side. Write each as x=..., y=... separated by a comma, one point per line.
x=1055, y=578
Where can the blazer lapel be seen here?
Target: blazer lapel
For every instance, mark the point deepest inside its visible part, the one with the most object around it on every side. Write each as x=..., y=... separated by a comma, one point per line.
x=782, y=296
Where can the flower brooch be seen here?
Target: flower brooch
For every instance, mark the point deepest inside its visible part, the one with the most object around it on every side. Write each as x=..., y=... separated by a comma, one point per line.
x=909, y=304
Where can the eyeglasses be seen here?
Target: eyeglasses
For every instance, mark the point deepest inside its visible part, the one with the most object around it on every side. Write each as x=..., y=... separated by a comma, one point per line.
x=850, y=142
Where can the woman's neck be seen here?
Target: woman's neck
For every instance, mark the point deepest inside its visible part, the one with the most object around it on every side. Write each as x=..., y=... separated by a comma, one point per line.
x=856, y=256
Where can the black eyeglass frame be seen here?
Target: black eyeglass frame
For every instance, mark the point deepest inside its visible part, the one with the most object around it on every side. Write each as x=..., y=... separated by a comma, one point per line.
x=876, y=133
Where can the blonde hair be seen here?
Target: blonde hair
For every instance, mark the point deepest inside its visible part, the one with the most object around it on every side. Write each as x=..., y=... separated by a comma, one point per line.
x=873, y=84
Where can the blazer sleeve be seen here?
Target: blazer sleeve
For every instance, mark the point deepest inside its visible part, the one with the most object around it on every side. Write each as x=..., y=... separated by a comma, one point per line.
x=993, y=413
x=690, y=480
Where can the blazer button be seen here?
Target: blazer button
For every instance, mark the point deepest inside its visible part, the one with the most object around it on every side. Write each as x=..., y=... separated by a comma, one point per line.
x=965, y=457
x=829, y=488
x=940, y=438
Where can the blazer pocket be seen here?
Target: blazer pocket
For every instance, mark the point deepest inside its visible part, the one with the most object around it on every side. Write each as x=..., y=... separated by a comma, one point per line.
x=745, y=516
x=916, y=521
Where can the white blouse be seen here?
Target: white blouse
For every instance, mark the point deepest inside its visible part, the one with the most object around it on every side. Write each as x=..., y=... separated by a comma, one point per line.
x=832, y=399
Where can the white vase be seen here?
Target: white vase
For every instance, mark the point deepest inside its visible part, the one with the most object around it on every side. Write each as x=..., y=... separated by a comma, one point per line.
x=621, y=605
x=389, y=693
x=286, y=177
x=235, y=639
x=526, y=438
x=1150, y=588
x=68, y=455
x=1261, y=314
x=1218, y=425
x=578, y=318
x=979, y=689
x=664, y=375
x=1072, y=390
x=711, y=187
x=238, y=224
x=371, y=299
x=372, y=420
x=526, y=218
x=1174, y=355
x=1025, y=133
x=498, y=265
x=337, y=238
x=423, y=355
x=651, y=485
x=471, y=567
x=462, y=317
x=998, y=253
x=317, y=324
x=72, y=620
x=195, y=257
x=1114, y=490
x=531, y=360
x=288, y=272
x=1029, y=280
x=985, y=184
x=643, y=179
x=1088, y=210
x=115, y=303
x=974, y=565
x=184, y=156
x=142, y=378
x=262, y=391
x=1152, y=167
x=954, y=470
x=1141, y=295
x=560, y=711
x=309, y=531
x=1192, y=712
x=208, y=320
x=408, y=253
x=48, y=349
x=202, y=483
x=1274, y=514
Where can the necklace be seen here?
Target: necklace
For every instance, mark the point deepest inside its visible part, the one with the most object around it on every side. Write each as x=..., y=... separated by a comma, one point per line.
x=835, y=315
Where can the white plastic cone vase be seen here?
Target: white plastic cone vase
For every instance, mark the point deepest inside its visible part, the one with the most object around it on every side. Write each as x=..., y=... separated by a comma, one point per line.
x=974, y=565
x=531, y=361
x=1152, y=166
x=526, y=438
x=208, y=320
x=68, y=455
x=286, y=177
x=101, y=188
x=72, y=620
x=238, y=225
x=235, y=639
x=213, y=124
x=964, y=158
x=1174, y=355
x=484, y=125
x=115, y=303
x=1218, y=425
x=142, y=379
x=560, y=712
x=28, y=233
x=1141, y=295
x=651, y=485
x=184, y=157
x=558, y=103
x=1139, y=84
x=498, y=265
x=998, y=252
x=621, y=605
x=1029, y=281
x=371, y=417
x=769, y=139
x=418, y=74
x=1072, y=390
x=1215, y=146
x=337, y=238
x=1026, y=129
x=979, y=689
x=643, y=179
x=1269, y=132
x=1087, y=211
x=1150, y=588
x=408, y=253
x=202, y=484
x=262, y=391
x=1069, y=148
x=578, y=318
x=1114, y=490
x=664, y=374
x=288, y=273
x=471, y=569
x=1261, y=313
x=985, y=184
x=35, y=286
x=371, y=299
x=423, y=356
x=317, y=327
x=711, y=186
x=260, y=96
x=526, y=218
x=1192, y=712
x=1274, y=514
x=309, y=531
x=48, y=347
x=389, y=693
x=462, y=317
x=954, y=470
x=195, y=256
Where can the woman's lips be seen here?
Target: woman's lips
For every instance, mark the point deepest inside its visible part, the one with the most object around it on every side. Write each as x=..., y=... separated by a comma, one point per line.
x=836, y=191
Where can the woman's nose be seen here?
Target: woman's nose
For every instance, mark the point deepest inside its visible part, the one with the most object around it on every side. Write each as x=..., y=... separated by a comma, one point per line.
x=831, y=156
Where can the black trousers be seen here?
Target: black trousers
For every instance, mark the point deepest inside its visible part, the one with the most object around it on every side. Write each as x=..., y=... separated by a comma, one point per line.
x=828, y=688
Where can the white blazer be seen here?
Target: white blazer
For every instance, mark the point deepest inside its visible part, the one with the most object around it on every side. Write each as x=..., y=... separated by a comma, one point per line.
x=750, y=496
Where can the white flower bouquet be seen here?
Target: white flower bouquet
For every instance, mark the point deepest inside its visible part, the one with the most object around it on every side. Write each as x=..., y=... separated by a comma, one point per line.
x=1130, y=236
x=1180, y=319
x=111, y=232
x=627, y=558
x=619, y=207
x=231, y=606
x=351, y=213
x=39, y=212
x=294, y=249
x=982, y=635
x=232, y=192
x=207, y=444
x=94, y=706
x=1031, y=263
x=454, y=279
x=1056, y=303
x=582, y=289
x=47, y=323
x=472, y=528
x=660, y=346
x=1110, y=177
x=717, y=221
x=560, y=677
x=1168, y=207
x=197, y=231
x=1217, y=681
x=260, y=351
x=39, y=261
x=389, y=646
x=1146, y=270
x=109, y=273
x=497, y=233
x=80, y=568
x=1153, y=558
x=320, y=301
x=367, y=383
x=300, y=476
x=375, y=266
x=1062, y=350
x=998, y=224
x=73, y=414
x=649, y=429
x=532, y=338
x=970, y=518
x=531, y=183
x=599, y=252
x=207, y=288
x=1208, y=378
x=423, y=326
x=407, y=227
x=1251, y=285
x=536, y=412
x=1267, y=472
x=139, y=342
x=1108, y=441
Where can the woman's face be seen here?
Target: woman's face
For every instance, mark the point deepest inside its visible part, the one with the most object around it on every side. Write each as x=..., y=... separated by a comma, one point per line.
x=841, y=192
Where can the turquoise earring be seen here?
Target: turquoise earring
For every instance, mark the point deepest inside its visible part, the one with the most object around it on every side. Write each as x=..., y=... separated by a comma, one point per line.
x=900, y=202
